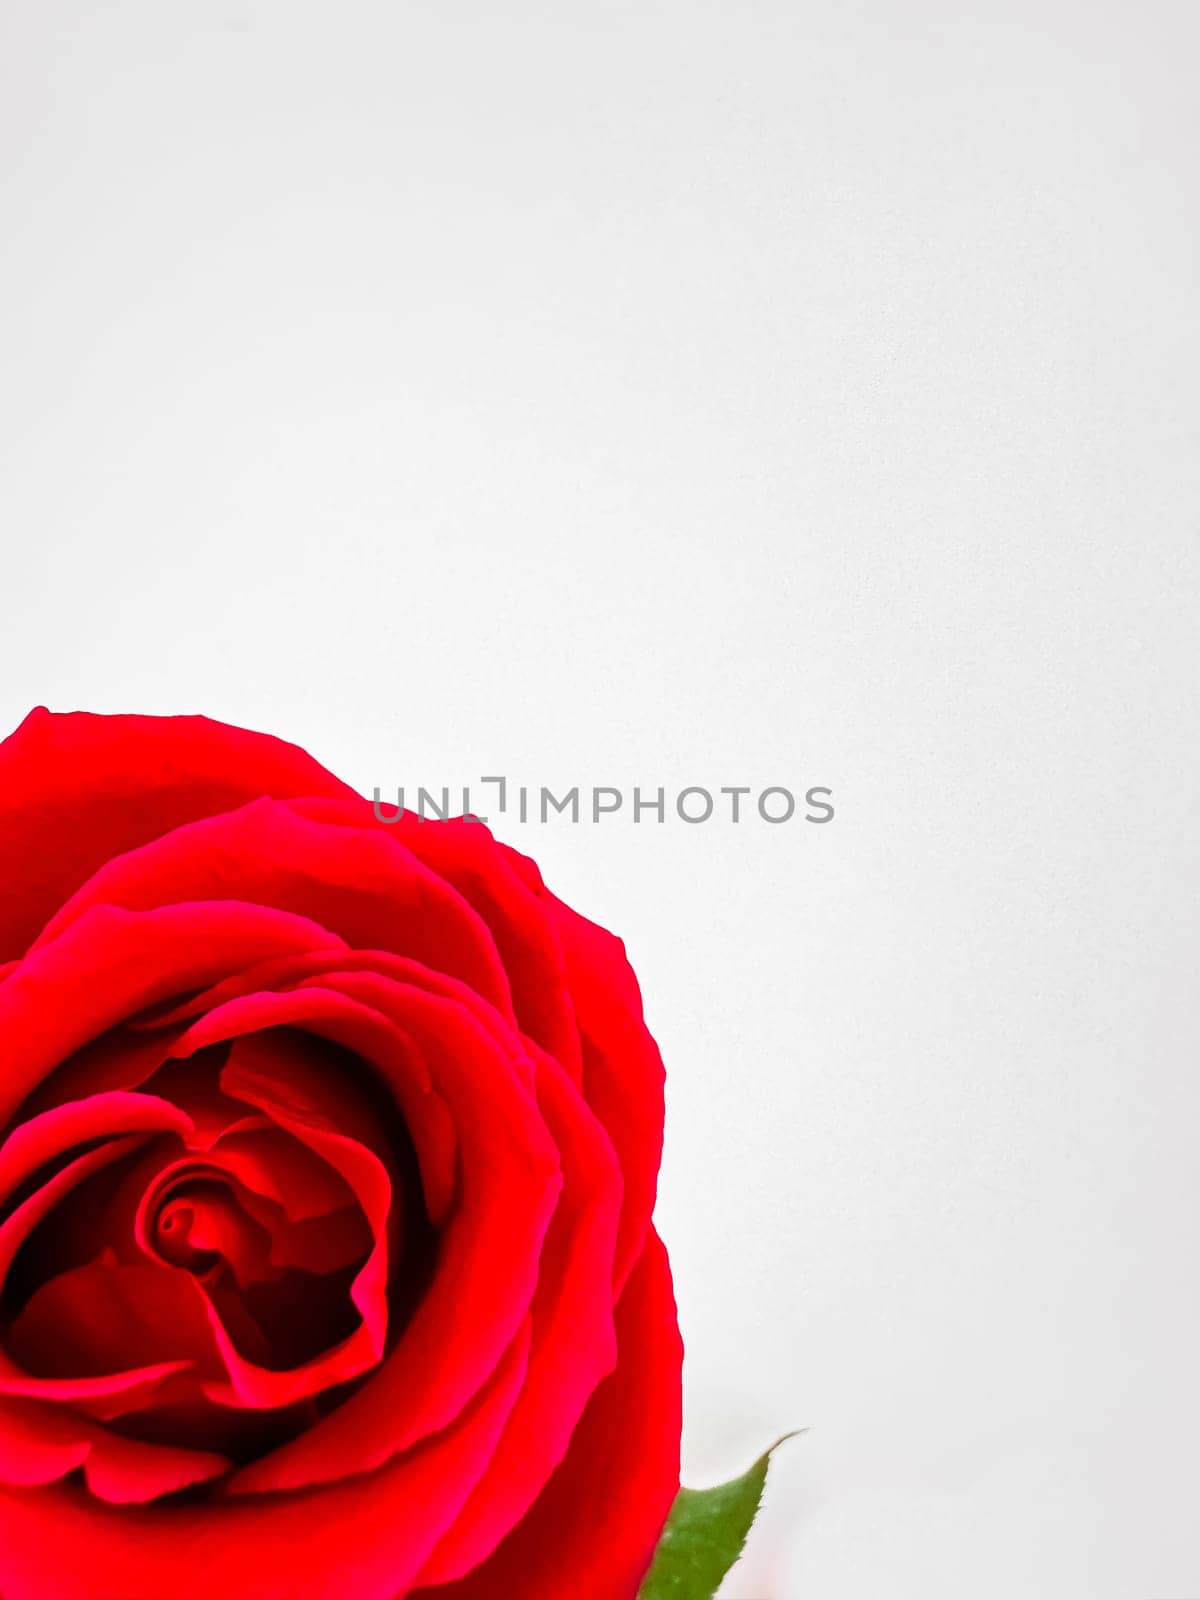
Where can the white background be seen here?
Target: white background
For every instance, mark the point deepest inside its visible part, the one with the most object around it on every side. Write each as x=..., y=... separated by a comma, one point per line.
x=684, y=393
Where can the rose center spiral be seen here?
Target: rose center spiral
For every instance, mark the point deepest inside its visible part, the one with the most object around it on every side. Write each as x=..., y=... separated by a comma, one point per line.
x=200, y=1224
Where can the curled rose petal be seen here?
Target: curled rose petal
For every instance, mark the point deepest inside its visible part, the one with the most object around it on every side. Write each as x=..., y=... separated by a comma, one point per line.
x=328, y=1152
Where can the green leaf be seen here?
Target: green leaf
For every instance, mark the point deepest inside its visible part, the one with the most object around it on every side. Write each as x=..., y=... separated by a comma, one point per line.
x=704, y=1535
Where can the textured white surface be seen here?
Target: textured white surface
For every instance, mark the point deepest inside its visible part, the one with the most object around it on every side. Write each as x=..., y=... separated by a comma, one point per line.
x=712, y=394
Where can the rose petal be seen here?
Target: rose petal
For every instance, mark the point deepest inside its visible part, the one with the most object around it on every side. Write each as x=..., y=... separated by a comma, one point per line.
x=40, y=1443
x=118, y=1059
x=489, y=1251
x=622, y=1070
x=77, y=790
x=105, y=1394
x=32, y=1144
x=362, y=885
x=365, y=1538
x=273, y=1072
x=574, y=1343
x=107, y=1316
x=466, y=855
x=592, y=1532
x=111, y=963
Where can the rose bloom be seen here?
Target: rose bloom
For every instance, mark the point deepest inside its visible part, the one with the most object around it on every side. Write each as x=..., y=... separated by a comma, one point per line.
x=328, y=1150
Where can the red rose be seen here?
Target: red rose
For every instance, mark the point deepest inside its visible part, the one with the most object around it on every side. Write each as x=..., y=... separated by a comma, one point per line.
x=327, y=1156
